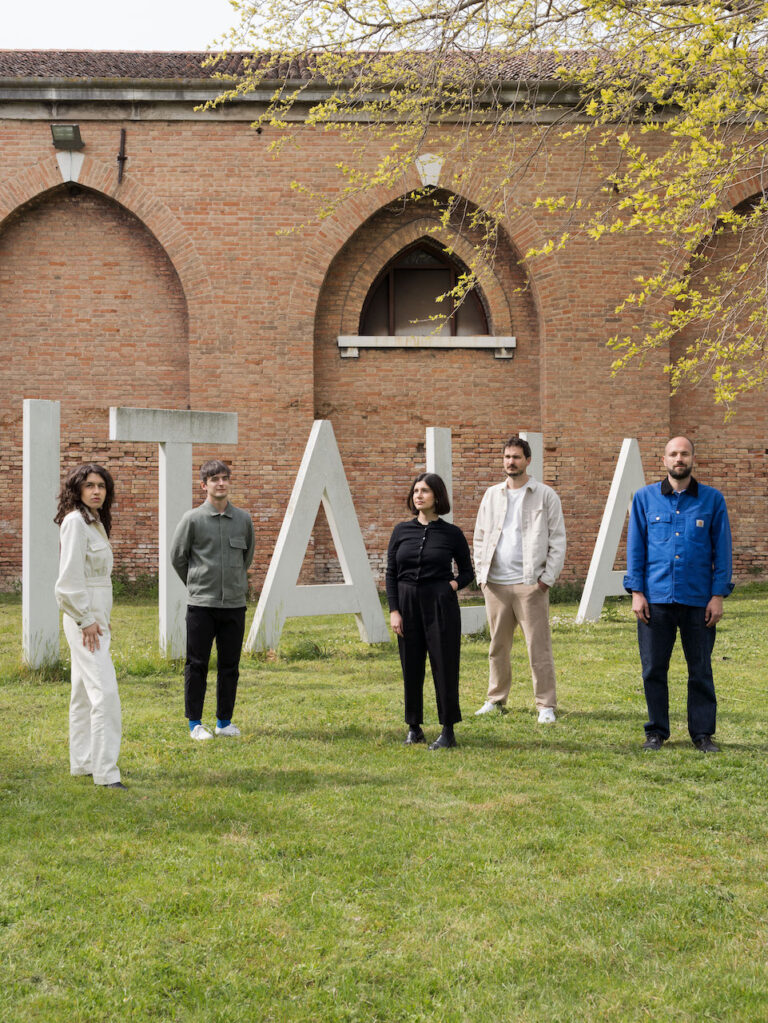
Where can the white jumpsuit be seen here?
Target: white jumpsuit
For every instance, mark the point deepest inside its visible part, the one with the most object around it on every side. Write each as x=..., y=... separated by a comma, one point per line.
x=84, y=594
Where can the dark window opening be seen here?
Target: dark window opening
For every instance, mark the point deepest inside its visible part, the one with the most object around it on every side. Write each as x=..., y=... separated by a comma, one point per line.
x=403, y=298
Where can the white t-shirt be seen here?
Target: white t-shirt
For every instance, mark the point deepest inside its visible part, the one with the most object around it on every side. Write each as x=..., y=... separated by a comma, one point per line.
x=507, y=564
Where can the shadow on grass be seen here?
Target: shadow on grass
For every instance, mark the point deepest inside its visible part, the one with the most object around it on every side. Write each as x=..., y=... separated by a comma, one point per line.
x=614, y=714
x=468, y=739
x=277, y=681
x=291, y=781
x=29, y=785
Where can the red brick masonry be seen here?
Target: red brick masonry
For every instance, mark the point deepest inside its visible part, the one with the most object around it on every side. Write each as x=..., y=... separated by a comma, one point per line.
x=176, y=289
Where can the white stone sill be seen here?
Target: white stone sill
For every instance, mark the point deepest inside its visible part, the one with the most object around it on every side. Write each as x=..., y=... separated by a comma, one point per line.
x=350, y=344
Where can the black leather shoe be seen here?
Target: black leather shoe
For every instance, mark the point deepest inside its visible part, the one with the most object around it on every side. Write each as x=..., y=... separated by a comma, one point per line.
x=443, y=741
x=653, y=743
x=115, y=785
x=414, y=735
x=705, y=744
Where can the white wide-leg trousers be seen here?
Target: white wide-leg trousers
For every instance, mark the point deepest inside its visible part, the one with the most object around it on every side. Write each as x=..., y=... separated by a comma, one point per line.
x=95, y=726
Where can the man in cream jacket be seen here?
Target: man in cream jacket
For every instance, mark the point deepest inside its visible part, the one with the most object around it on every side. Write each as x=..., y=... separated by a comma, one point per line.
x=519, y=548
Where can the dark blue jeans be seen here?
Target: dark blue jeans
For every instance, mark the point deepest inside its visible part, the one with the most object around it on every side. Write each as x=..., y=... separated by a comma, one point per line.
x=656, y=641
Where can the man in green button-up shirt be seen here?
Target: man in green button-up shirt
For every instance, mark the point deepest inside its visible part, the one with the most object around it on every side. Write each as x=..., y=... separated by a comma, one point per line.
x=211, y=551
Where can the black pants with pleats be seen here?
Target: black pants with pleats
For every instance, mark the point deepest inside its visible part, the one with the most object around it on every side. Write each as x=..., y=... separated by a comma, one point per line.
x=431, y=626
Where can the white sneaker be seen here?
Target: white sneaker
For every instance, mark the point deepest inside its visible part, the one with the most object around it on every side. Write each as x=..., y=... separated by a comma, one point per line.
x=489, y=707
x=547, y=716
x=229, y=729
x=200, y=732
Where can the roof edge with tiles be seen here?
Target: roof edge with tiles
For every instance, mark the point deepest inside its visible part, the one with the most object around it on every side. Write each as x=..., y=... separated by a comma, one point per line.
x=144, y=85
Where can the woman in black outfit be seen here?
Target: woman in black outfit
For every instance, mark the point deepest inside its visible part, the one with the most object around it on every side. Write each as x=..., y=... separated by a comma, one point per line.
x=424, y=608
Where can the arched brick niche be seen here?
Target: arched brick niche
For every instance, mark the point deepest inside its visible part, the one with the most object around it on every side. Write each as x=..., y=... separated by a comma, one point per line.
x=731, y=455
x=92, y=314
x=381, y=403
x=495, y=300
x=37, y=180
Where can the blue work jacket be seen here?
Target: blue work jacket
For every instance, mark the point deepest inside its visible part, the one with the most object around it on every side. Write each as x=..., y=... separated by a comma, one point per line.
x=679, y=545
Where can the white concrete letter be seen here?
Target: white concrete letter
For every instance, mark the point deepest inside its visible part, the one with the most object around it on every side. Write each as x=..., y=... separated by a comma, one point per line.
x=602, y=580
x=175, y=484
x=40, y=536
x=175, y=431
x=321, y=477
x=536, y=440
x=440, y=461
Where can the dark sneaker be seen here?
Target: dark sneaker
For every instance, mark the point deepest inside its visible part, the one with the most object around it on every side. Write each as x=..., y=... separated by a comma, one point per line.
x=653, y=743
x=705, y=744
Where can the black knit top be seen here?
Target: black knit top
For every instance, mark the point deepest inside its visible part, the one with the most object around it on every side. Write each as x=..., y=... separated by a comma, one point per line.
x=425, y=554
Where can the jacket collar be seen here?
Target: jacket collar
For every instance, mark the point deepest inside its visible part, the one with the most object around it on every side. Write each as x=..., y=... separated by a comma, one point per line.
x=692, y=488
x=210, y=510
x=531, y=484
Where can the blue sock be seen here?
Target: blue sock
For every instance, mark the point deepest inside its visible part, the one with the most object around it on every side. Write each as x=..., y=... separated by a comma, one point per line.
x=193, y=724
x=223, y=722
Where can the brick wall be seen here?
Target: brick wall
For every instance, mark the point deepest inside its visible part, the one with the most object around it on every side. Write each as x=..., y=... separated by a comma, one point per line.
x=174, y=289
x=732, y=456
x=92, y=315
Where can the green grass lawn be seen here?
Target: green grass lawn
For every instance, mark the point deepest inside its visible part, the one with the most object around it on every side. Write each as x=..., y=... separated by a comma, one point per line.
x=318, y=870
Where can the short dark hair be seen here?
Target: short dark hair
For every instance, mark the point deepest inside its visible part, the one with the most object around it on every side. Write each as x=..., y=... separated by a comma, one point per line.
x=214, y=468
x=69, y=495
x=518, y=442
x=438, y=488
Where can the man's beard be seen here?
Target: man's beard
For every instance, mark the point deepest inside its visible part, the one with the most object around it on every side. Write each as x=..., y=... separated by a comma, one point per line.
x=681, y=472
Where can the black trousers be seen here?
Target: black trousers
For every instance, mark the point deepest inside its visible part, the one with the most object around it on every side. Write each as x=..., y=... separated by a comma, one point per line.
x=431, y=625
x=226, y=625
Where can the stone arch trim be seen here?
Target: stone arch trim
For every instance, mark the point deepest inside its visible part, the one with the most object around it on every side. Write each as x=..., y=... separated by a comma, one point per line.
x=322, y=247
x=552, y=301
x=753, y=183
x=151, y=211
x=551, y=298
x=498, y=307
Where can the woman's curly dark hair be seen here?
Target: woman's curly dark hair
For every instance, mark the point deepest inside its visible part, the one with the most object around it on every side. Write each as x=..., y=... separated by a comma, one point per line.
x=69, y=495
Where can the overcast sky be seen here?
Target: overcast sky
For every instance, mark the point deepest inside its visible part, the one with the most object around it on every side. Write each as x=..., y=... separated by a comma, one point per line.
x=111, y=25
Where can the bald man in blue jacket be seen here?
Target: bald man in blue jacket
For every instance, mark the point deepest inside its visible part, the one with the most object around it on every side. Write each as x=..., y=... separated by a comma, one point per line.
x=678, y=572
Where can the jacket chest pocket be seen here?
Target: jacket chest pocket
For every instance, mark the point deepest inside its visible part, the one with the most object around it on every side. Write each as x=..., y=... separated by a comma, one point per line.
x=697, y=530
x=659, y=527
x=98, y=555
x=237, y=549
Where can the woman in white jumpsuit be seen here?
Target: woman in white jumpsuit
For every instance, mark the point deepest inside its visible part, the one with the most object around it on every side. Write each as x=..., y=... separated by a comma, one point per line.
x=84, y=594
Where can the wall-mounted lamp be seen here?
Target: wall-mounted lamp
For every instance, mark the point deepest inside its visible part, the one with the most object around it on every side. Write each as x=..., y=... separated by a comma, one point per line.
x=67, y=136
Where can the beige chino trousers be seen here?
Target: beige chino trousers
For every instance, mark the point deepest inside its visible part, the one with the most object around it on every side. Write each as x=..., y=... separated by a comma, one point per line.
x=508, y=606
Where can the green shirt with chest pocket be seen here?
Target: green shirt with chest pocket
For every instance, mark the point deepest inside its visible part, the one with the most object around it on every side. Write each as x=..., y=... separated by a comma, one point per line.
x=211, y=552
